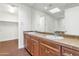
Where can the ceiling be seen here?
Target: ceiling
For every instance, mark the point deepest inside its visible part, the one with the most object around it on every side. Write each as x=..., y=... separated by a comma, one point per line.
x=40, y=6
x=4, y=8
x=62, y=6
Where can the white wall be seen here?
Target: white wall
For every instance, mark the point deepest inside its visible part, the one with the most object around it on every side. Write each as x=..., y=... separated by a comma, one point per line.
x=24, y=22
x=71, y=21
x=6, y=15
x=8, y=30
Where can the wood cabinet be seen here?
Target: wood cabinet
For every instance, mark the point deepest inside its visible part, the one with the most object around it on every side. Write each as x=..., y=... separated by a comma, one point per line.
x=46, y=50
x=38, y=46
x=28, y=42
x=31, y=44
x=69, y=52
x=35, y=47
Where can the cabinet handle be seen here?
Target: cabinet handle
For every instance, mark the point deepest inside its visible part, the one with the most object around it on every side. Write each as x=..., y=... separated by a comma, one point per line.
x=67, y=54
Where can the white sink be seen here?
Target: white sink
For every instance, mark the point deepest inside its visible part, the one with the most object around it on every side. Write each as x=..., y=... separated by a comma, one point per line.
x=52, y=37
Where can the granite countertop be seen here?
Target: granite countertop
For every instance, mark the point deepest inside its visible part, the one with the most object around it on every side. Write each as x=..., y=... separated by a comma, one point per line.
x=68, y=42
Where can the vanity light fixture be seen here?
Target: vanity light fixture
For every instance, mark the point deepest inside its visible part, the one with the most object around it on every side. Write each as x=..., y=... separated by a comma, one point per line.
x=55, y=10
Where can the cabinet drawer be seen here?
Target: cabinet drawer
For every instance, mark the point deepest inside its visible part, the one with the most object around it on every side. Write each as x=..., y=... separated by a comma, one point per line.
x=69, y=52
x=52, y=44
x=47, y=50
x=51, y=52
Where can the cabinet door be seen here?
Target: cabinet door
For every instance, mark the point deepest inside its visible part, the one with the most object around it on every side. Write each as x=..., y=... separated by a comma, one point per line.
x=69, y=52
x=28, y=43
x=42, y=50
x=35, y=47
x=31, y=47
x=46, y=50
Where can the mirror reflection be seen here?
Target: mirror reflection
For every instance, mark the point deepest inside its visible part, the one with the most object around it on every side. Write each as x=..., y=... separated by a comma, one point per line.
x=56, y=17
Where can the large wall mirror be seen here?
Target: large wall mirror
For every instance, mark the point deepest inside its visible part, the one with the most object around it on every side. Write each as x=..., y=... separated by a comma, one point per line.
x=67, y=20
x=68, y=24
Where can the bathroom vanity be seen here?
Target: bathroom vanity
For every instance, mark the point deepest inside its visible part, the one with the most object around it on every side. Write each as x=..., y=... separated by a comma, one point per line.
x=38, y=44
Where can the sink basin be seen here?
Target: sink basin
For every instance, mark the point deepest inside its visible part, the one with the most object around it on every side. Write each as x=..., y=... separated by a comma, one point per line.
x=52, y=37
